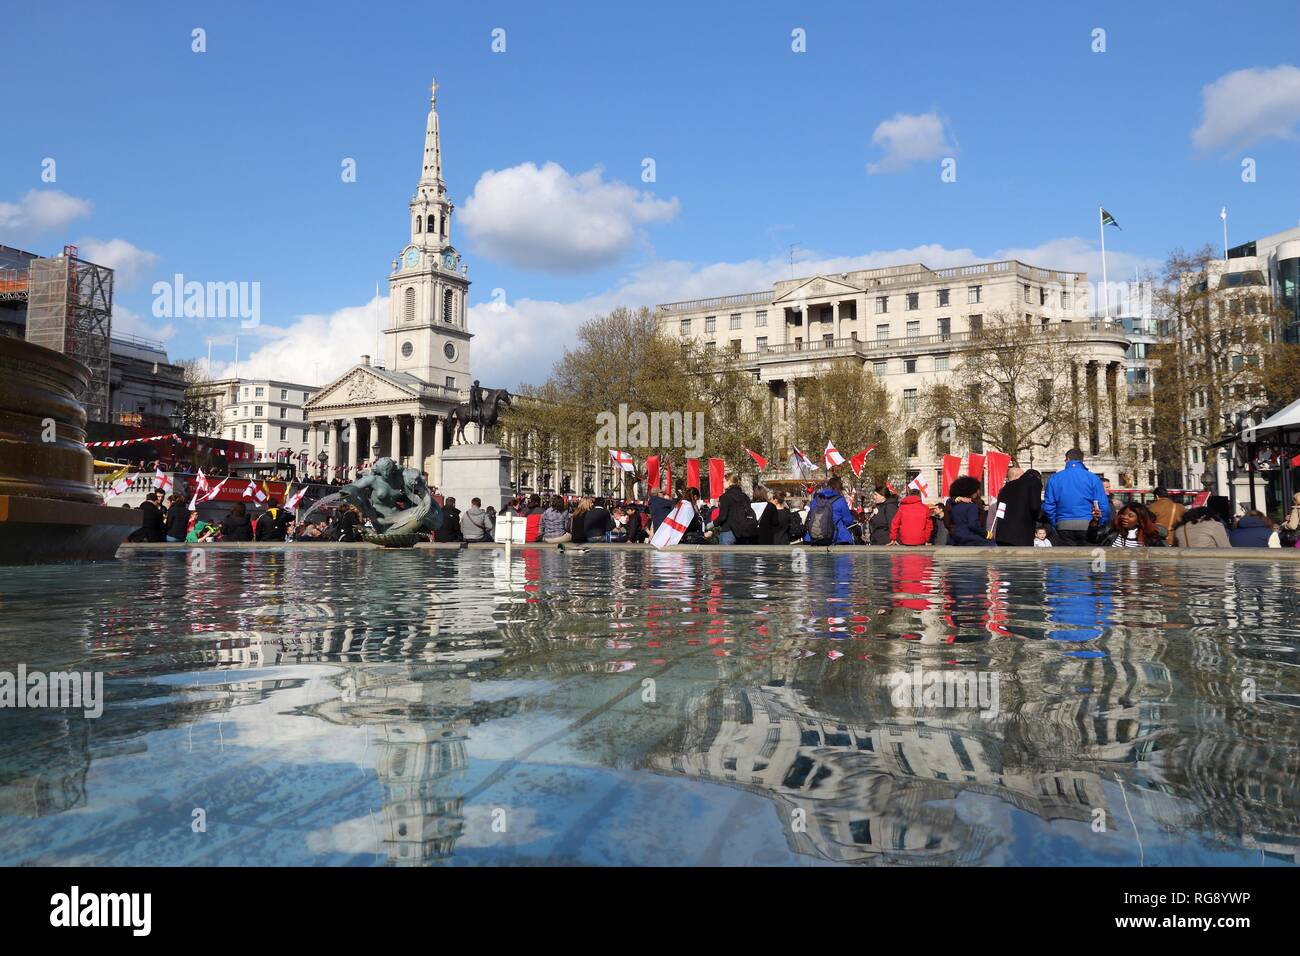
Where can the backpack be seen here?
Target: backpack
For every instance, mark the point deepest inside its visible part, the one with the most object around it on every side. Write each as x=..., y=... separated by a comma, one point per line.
x=742, y=523
x=821, y=520
x=796, y=527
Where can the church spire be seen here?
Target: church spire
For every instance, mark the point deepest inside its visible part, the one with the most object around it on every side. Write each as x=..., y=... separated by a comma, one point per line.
x=431, y=174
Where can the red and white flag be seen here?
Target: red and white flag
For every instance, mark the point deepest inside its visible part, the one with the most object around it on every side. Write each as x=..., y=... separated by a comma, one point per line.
x=758, y=459
x=161, y=480
x=859, y=461
x=254, y=492
x=119, y=487
x=621, y=459
x=802, y=461
x=919, y=483
x=295, y=499
x=672, y=528
x=200, y=482
x=831, y=456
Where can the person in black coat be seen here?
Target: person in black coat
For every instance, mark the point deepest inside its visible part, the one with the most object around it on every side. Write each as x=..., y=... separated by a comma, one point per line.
x=769, y=523
x=733, y=512
x=178, y=519
x=1022, y=497
x=151, y=519
x=449, y=530
x=271, y=525
x=886, y=503
x=236, y=526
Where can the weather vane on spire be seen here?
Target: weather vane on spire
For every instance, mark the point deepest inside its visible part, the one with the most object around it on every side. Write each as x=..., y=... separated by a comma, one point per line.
x=433, y=91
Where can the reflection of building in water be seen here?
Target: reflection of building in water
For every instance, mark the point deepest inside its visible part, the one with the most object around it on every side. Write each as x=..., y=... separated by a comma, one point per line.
x=419, y=719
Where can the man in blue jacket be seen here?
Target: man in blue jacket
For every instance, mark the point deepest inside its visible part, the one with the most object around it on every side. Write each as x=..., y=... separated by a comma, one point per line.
x=1069, y=500
x=830, y=498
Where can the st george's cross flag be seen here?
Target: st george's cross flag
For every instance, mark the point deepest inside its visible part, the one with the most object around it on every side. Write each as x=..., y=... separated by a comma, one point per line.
x=859, y=461
x=621, y=459
x=292, y=502
x=209, y=496
x=831, y=456
x=920, y=485
x=201, y=482
x=758, y=459
x=161, y=480
x=672, y=528
x=254, y=492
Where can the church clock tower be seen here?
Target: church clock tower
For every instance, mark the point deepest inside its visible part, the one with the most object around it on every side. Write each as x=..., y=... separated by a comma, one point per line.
x=427, y=334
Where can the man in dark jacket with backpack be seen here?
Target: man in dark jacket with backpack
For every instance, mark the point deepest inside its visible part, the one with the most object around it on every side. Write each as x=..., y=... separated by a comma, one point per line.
x=736, y=523
x=829, y=516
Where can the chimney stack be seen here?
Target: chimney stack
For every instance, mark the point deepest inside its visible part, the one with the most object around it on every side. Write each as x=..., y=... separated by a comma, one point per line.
x=365, y=360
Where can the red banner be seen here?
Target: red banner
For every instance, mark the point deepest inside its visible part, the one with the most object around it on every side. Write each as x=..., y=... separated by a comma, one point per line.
x=998, y=465
x=975, y=466
x=693, y=473
x=652, y=472
x=717, y=477
x=668, y=479
x=951, y=469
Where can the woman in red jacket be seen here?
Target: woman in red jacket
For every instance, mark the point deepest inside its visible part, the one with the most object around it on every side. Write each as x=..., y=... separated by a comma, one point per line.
x=912, y=524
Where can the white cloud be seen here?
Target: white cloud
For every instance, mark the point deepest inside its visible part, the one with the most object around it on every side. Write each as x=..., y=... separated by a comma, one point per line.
x=313, y=350
x=521, y=340
x=1245, y=106
x=129, y=323
x=43, y=210
x=908, y=139
x=128, y=262
x=547, y=220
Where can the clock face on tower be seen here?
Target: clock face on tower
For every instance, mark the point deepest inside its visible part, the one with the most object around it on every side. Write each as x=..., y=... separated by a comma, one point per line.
x=412, y=258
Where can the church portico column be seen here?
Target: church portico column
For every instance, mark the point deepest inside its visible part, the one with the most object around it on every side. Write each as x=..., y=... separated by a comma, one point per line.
x=332, y=444
x=396, y=439
x=417, y=441
x=835, y=321
x=438, y=439
x=354, y=439
x=372, y=439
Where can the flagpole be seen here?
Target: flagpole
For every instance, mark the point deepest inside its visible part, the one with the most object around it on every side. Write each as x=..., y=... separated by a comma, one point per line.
x=1105, y=287
x=1224, y=217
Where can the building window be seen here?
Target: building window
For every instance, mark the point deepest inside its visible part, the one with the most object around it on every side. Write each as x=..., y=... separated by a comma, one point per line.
x=974, y=295
x=735, y=346
x=941, y=298
x=304, y=436
x=761, y=342
x=408, y=308
x=1027, y=291
x=710, y=323
x=686, y=326
x=284, y=394
x=417, y=223
x=941, y=363
x=882, y=304
x=909, y=366
x=243, y=431
x=451, y=381
x=882, y=333
x=913, y=329
x=879, y=368
x=257, y=411
x=913, y=440
x=976, y=323
x=733, y=320
x=284, y=433
x=909, y=399
x=1065, y=300
x=257, y=392
x=448, y=307
x=945, y=329
x=760, y=319
x=828, y=339
x=257, y=431
x=710, y=346
x=913, y=301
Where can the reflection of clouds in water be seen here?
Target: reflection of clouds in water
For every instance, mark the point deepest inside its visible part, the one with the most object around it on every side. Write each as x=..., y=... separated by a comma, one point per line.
x=521, y=826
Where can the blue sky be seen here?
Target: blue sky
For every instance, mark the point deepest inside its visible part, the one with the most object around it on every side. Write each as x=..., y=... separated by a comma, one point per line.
x=225, y=165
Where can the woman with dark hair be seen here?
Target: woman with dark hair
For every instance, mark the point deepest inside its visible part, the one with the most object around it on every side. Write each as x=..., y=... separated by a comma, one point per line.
x=236, y=526
x=555, y=522
x=1201, y=528
x=967, y=528
x=1134, y=526
x=886, y=506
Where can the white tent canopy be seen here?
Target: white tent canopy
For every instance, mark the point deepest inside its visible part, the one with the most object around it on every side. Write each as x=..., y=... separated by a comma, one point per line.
x=1288, y=417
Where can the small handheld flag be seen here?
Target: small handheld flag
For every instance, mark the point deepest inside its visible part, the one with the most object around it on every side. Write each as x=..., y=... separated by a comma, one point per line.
x=859, y=461
x=919, y=483
x=621, y=459
x=831, y=456
x=161, y=480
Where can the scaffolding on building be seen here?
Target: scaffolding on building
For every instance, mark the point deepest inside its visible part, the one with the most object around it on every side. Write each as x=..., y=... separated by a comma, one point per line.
x=69, y=309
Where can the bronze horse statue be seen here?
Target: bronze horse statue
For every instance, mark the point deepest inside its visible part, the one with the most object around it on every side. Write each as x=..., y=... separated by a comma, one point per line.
x=489, y=412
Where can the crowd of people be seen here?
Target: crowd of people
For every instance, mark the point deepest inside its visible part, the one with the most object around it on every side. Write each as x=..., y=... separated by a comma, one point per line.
x=1074, y=508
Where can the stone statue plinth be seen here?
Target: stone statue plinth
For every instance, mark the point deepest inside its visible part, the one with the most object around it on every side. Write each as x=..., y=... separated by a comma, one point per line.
x=476, y=471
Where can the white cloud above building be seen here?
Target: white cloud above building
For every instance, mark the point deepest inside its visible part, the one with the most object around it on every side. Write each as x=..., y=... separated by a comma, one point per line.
x=43, y=210
x=129, y=262
x=1246, y=106
x=908, y=139
x=545, y=219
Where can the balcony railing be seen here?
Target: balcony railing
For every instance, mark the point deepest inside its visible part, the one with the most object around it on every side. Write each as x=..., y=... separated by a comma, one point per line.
x=1109, y=331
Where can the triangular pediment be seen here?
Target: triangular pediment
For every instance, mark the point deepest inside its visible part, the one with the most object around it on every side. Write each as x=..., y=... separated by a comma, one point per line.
x=817, y=287
x=361, y=384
